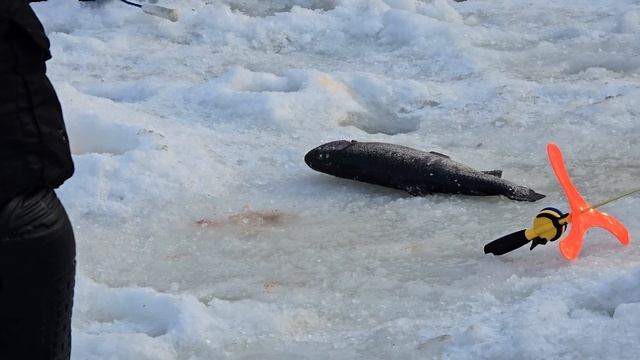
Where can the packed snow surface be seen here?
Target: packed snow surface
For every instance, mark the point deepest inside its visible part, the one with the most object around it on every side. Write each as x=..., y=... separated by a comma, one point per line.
x=202, y=234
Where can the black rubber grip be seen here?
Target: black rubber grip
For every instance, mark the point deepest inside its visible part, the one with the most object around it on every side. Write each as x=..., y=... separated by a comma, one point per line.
x=506, y=243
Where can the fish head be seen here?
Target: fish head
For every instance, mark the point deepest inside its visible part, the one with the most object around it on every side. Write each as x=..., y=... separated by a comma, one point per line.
x=324, y=157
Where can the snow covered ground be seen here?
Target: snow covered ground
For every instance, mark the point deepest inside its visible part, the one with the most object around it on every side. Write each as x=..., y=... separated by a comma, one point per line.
x=172, y=123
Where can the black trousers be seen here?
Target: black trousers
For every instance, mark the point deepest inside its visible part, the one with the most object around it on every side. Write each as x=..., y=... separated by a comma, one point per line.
x=37, y=271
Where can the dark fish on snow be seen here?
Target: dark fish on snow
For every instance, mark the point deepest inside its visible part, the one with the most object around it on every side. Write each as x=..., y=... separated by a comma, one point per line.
x=417, y=172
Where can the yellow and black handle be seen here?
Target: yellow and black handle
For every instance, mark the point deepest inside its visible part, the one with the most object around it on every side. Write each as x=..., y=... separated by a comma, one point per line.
x=548, y=225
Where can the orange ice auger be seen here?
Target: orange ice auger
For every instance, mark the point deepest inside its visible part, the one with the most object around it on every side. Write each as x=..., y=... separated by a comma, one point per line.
x=550, y=223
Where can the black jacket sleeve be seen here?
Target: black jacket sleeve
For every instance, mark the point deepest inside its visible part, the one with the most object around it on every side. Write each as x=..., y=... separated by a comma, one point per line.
x=34, y=150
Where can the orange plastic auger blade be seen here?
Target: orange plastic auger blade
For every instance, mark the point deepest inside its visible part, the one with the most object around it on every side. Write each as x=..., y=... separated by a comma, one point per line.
x=582, y=216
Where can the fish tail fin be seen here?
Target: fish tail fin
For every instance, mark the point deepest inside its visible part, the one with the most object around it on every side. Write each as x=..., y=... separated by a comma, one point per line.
x=524, y=194
x=496, y=173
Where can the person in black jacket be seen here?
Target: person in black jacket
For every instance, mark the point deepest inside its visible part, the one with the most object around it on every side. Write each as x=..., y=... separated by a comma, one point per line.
x=37, y=246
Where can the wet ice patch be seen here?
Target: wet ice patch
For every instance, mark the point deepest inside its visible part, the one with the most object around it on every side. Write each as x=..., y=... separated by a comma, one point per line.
x=159, y=323
x=629, y=22
x=66, y=46
x=68, y=16
x=98, y=125
x=128, y=91
x=267, y=8
x=91, y=134
x=587, y=309
x=628, y=314
x=162, y=325
x=607, y=298
x=549, y=47
x=620, y=63
x=56, y=17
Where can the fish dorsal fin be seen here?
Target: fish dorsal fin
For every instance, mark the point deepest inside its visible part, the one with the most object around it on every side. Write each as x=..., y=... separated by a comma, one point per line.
x=496, y=173
x=439, y=154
